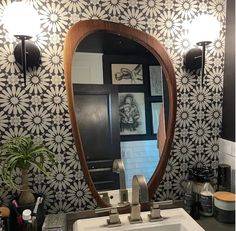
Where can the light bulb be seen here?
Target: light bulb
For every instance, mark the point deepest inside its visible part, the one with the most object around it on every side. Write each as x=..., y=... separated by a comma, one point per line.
x=204, y=28
x=20, y=18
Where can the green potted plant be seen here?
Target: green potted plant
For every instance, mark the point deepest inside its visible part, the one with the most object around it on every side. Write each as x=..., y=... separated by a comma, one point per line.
x=22, y=152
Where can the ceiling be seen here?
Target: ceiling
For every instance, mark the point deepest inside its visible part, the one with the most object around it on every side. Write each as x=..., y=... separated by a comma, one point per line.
x=112, y=44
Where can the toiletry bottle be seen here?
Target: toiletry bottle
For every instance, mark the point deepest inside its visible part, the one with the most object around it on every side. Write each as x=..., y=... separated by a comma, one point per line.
x=196, y=207
x=189, y=195
x=1, y=222
x=206, y=198
x=34, y=214
x=27, y=225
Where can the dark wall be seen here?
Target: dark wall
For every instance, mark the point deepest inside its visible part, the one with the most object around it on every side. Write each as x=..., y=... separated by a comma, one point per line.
x=228, y=124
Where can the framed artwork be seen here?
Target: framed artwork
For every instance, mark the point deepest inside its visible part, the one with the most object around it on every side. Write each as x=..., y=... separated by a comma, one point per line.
x=127, y=73
x=156, y=84
x=132, y=113
x=156, y=107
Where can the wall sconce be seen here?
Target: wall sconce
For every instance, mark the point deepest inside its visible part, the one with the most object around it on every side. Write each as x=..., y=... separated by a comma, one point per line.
x=192, y=59
x=203, y=30
x=22, y=21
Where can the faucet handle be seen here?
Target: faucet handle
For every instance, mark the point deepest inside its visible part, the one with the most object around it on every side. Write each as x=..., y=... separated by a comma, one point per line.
x=105, y=197
x=114, y=219
x=157, y=203
x=102, y=210
x=155, y=213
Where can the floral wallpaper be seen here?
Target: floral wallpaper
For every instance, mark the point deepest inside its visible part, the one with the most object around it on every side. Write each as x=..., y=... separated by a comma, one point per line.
x=40, y=109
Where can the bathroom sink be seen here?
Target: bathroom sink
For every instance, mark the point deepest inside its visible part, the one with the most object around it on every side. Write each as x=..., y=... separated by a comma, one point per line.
x=174, y=220
x=168, y=227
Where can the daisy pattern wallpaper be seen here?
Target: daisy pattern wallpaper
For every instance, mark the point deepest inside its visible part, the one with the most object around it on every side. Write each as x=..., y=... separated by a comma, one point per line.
x=40, y=109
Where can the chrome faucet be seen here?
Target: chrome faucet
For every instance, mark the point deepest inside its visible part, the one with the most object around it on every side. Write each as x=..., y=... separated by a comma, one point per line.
x=139, y=187
x=118, y=167
x=155, y=213
x=114, y=219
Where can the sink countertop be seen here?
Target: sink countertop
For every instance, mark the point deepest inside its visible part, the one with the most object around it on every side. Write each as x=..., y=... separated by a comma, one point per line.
x=208, y=223
x=173, y=220
x=72, y=217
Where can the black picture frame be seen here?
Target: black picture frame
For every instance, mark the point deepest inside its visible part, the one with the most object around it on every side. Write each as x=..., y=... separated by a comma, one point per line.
x=144, y=88
x=155, y=108
x=132, y=113
x=156, y=80
x=126, y=73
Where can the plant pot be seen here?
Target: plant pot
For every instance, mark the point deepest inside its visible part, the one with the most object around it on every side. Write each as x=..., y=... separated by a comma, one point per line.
x=26, y=197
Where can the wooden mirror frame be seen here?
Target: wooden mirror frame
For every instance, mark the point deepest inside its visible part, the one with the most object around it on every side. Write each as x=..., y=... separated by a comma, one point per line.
x=74, y=36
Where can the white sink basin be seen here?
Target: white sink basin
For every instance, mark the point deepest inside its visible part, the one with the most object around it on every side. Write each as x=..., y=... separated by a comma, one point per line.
x=174, y=220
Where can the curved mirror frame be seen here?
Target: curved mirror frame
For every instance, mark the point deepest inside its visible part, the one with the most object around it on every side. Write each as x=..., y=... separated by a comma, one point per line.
x=74, y=36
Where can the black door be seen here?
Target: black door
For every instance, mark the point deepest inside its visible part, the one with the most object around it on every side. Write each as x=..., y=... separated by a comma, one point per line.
x=97, y=115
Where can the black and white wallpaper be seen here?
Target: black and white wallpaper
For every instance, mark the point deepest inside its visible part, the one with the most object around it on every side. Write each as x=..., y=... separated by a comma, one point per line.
x=40, y=109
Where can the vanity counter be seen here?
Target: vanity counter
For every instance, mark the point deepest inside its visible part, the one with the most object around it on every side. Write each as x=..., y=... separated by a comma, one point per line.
x=210, y=224
x=207, y=223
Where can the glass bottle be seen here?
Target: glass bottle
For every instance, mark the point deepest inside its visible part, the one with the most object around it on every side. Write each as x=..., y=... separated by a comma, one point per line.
x=206, y=198
x=189, y=195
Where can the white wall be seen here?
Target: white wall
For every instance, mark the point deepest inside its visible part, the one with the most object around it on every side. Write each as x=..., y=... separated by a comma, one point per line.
x=140, y=158
x=87, y=68
x=227, y=155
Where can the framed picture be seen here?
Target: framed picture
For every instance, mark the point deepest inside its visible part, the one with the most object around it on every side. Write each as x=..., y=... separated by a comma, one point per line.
x=156, y=108
x=156, y=84
x=127, y=73
x=132, y=113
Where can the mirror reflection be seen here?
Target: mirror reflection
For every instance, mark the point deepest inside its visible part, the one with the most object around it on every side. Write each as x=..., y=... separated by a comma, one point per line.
x=121, y=105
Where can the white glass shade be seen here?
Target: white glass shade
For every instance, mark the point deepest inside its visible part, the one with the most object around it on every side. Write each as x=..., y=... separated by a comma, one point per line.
x=204, y=28
x=21, y=19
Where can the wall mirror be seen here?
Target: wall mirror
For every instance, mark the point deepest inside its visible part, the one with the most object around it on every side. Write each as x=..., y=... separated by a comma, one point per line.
x=107, y=66
x=111, y=73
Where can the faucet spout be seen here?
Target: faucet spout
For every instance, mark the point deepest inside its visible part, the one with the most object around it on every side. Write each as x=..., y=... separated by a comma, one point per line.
x=118, y=167
x=139, y=187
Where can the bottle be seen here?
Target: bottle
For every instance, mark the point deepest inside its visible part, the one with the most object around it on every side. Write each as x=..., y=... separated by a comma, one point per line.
x=189, y=195
x=206, y=198
x=34, y=214
x=26, y=215
x=1, y=222
x=196, y=207
x=224, y=177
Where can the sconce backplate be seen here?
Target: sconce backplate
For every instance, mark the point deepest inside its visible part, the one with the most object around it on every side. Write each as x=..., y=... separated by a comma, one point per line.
x=33, y=56
x=193, y=59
